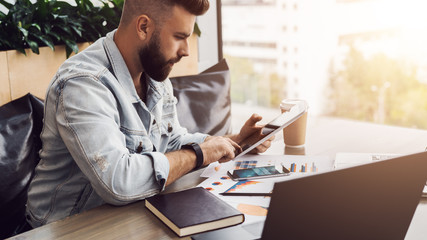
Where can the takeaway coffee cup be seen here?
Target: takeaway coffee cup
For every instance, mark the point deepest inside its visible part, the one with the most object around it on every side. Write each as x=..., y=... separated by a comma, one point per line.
x=294, y=134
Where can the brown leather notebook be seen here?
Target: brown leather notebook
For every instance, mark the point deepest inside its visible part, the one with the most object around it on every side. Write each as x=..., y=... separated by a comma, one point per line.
x=193, y=211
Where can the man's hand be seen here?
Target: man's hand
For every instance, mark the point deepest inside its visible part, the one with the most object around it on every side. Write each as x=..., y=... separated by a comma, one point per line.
x=220, y=149
x=251, y=132
x=250, y=127
x=214, y=149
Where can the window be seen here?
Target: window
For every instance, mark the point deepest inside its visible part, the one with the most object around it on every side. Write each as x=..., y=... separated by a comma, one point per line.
x=285, y=49
x=284, y=28
x=374, y=68
x=295, y=29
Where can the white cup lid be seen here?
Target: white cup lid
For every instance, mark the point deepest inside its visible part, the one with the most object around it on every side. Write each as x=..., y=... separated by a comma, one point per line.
x=287, y=104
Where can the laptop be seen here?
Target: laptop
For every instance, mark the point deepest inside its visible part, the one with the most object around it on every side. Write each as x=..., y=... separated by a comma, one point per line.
x=371, y=201
x=349, y=159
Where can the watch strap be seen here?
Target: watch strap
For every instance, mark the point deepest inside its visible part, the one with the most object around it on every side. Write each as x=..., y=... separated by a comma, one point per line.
x=198, y=151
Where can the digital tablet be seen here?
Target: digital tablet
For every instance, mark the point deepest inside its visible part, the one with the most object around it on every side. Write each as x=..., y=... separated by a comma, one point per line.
x=274, y=126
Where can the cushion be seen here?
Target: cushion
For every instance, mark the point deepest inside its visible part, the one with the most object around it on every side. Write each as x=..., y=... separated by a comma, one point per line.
x=204, y=103
x=20, y=127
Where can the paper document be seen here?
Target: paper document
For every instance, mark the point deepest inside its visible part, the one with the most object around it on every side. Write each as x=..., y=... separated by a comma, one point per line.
x=255, y=207
x=347, y=159
x=294, y=163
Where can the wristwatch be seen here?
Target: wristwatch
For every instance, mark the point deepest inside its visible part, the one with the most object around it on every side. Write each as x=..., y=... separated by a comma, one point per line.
x=199, y=154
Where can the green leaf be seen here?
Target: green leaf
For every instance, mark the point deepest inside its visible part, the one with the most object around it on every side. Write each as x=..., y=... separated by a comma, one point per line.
x=55, y=35
x=197, y=30
x=42, y=8
x=72, y=45
x=67, y=30
x=21, y=50
x=77, y=30
x=46, y=40
x=61, y=4
x=6, y=4
x=34, y=46
x=46, y=28
x=23, y=31
x=68, y=51
x=35, y=25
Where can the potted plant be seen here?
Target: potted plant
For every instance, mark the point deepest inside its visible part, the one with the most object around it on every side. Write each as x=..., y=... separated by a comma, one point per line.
x=37, y=36
x=50, y=23
x=30, y=31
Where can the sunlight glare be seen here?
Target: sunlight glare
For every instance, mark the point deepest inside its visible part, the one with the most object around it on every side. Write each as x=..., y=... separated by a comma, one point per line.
x=409, y=19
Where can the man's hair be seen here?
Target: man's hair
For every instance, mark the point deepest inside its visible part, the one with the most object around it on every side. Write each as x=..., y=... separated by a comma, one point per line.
x=159, y=10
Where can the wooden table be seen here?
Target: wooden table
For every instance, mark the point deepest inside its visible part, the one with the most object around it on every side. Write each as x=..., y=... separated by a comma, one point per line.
x=325, y=137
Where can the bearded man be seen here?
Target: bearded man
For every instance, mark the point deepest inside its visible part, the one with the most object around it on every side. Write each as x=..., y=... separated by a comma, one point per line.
x=111, y=133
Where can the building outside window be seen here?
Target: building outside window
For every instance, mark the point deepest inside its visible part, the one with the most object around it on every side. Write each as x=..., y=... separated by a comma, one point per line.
x=357, y=59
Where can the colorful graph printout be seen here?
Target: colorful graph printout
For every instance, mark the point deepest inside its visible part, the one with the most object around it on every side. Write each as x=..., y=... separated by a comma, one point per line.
x=251, y=187
x=254, y=207
x=305, y=167
x=254, y=210
x=241, y=185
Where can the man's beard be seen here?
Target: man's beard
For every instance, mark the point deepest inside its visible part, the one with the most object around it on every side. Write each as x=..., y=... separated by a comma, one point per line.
x=154, y=63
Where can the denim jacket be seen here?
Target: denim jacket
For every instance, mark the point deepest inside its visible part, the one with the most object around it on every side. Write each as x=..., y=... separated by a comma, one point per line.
x=101, y=142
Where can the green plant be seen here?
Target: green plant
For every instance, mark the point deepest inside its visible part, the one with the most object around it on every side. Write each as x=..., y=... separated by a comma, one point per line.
x=49, y=23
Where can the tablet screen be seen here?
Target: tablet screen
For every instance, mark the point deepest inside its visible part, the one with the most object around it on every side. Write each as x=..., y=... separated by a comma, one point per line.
x=273, y=127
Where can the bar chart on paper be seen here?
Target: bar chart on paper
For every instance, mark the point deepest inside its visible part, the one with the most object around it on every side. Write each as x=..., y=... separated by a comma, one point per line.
x=294, y=163
x=302, y=167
